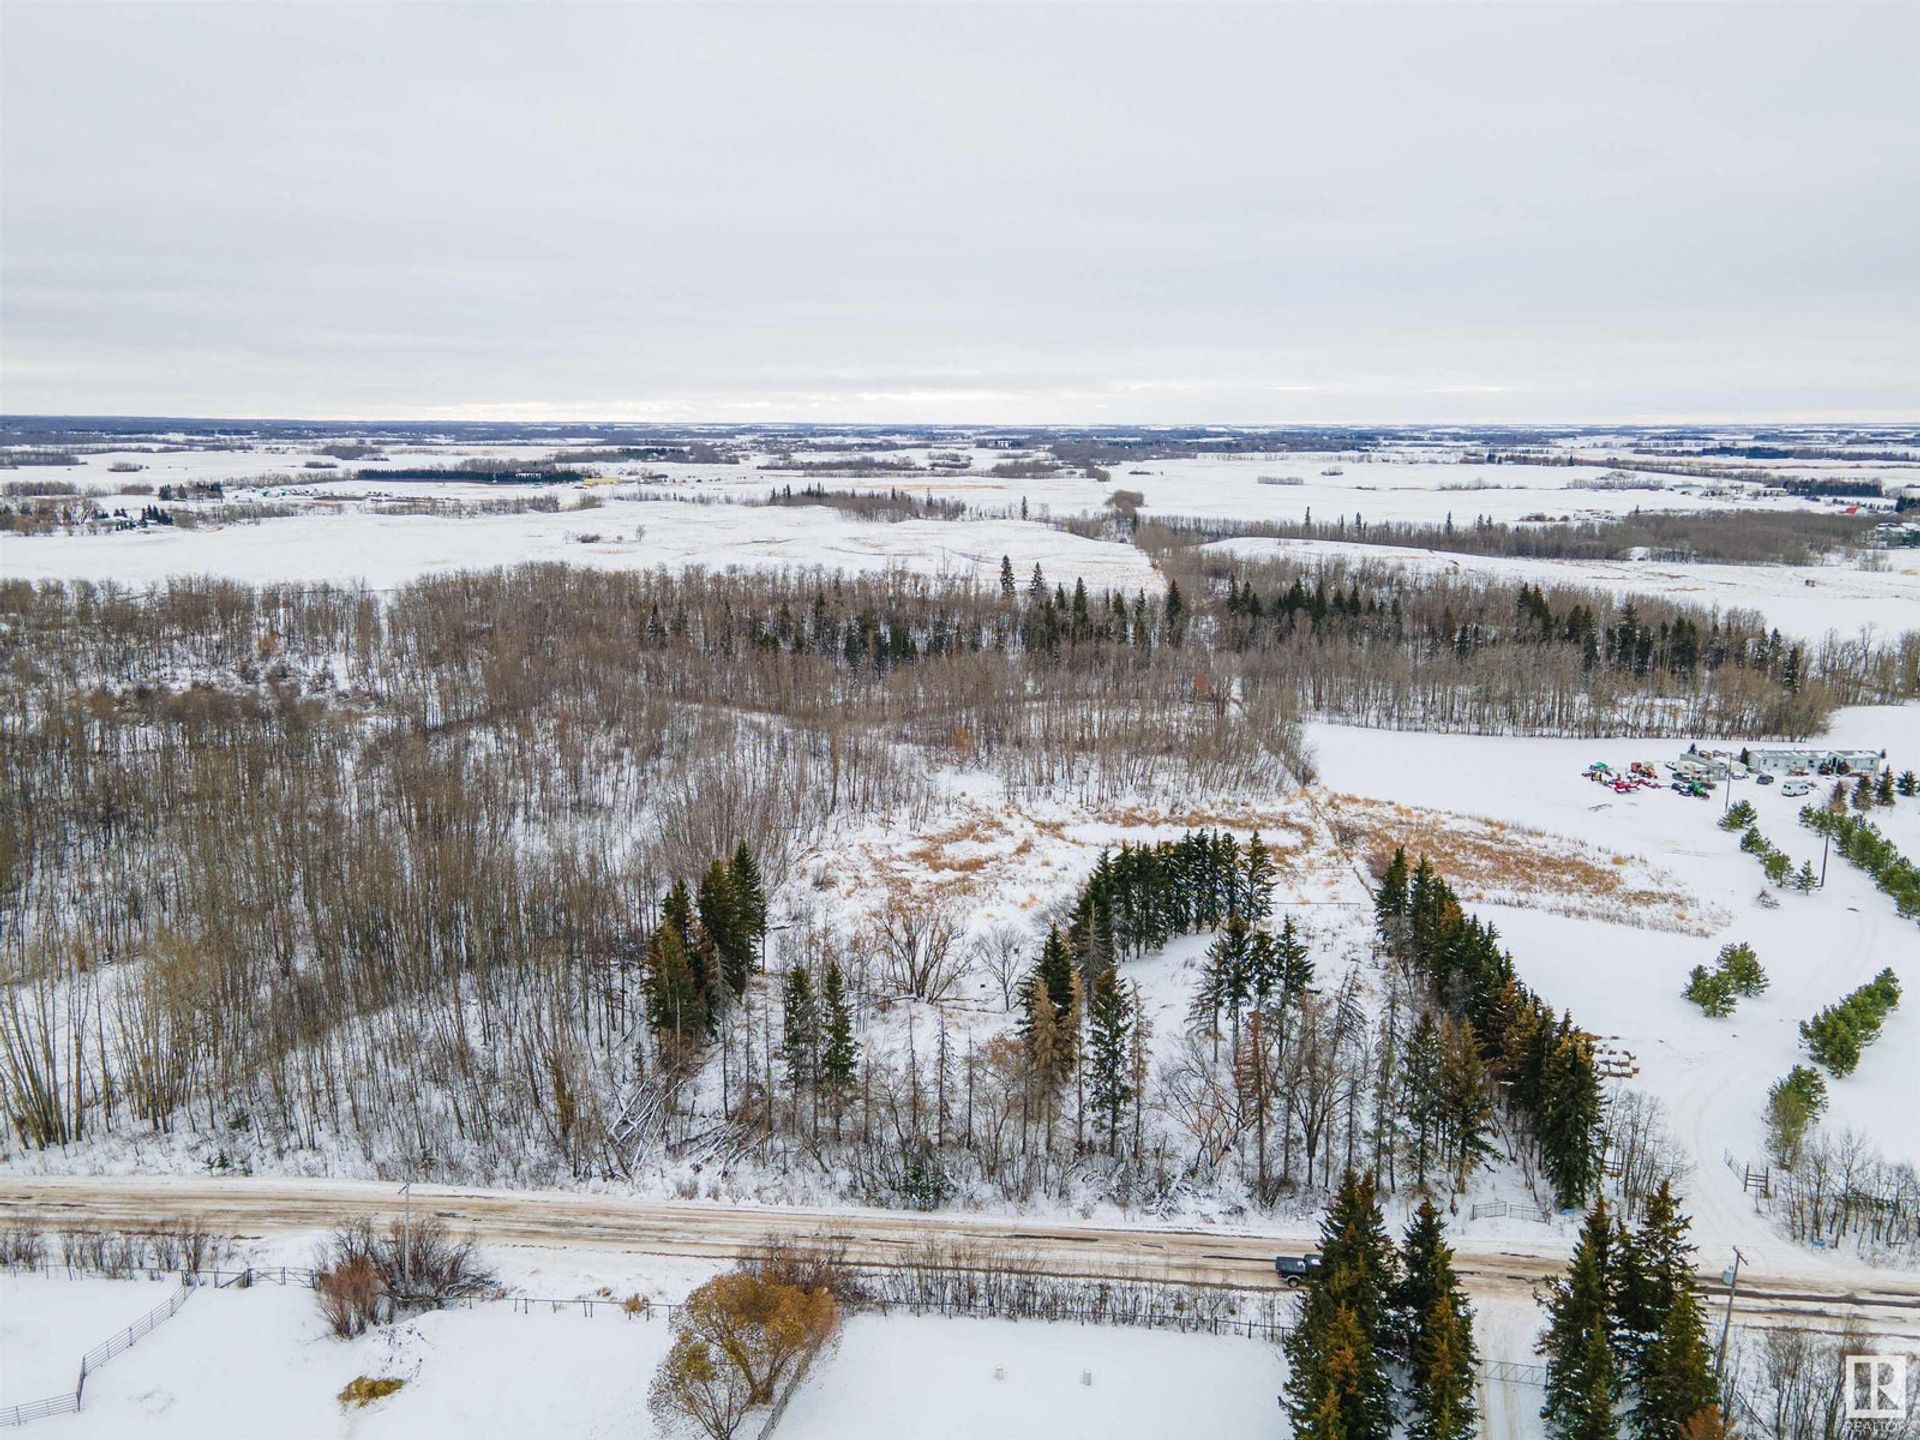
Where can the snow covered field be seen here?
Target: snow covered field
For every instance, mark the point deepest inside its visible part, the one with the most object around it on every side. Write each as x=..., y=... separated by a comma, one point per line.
x=386, y=551
x=239, y=1363
x=938, y=1379
x=245, y=1363
x=339, y=535
x=47, y=1324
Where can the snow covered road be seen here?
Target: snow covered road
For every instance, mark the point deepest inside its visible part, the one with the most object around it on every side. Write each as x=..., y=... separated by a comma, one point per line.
x=1491, y=1267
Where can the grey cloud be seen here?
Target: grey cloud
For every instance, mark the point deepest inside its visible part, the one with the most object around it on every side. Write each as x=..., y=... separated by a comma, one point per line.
x=1252, y=213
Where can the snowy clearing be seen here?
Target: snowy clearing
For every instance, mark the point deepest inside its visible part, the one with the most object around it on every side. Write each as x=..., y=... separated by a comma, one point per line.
x=48, y=1323
x=242, y=1363
x=385, y=551
x=941, y=1379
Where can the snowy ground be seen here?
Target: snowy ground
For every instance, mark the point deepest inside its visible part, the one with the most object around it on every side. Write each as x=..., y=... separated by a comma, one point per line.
x=938, y=1379
x=386, y=551
x=1395, y=482
x=244, y=1363
x=256, y=1362
x=47, y=1324
x=341, y=536
x=241, y=1363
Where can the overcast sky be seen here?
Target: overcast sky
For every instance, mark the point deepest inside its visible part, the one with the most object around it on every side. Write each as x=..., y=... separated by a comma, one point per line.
x=1284, y=213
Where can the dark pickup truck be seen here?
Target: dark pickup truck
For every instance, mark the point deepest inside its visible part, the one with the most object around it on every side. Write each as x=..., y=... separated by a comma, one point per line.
x=1295, y=1268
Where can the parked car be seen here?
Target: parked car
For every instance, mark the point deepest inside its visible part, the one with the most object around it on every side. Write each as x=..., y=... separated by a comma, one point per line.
x=1763, y=779
x=1295, y=1268
x=1797, y=787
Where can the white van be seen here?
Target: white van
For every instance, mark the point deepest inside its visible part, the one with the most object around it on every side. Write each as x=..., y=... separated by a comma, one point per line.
x=1797, y=787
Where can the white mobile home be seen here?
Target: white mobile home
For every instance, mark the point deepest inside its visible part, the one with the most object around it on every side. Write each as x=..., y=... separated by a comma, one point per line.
x=1789, y=760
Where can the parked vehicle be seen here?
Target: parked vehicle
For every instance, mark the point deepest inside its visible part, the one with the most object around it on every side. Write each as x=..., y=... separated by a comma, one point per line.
x=1797, y=787
x=1295, y=1268
x=1763, y=779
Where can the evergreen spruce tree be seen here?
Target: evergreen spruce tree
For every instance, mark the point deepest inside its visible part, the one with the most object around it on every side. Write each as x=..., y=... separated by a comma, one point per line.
x=1007, y=585
x=677, y=909
x=800, y=1030
x=1336, y=1382
x=1796, y=1100
x=1256, y=901
x=1226, y=982
x=1045, y=1052
x=676, y=913
x=840, y=1051
x=1434, y=1332
x=1174, y=614
x=1443, y=1366
x=676, y=1000
x=1675, y=1380
x=1293, y=969
x=749, y=894
x=1569, y=1114
x=1464, y=1097
x=1583, y=1378
x=724, y=930
x=1263, y=969
x=1420, y=1099
x=1390, y=902
x=1660, y=1326
x=1109, y=1053
x=1324, y=1419
x=1053, y=972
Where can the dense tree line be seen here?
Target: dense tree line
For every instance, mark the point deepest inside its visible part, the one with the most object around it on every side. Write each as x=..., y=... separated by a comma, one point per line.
x=1371, y=636
x=1839, y=1032
x=1795, y=537
x=1860, y=841
x=1542, y=1062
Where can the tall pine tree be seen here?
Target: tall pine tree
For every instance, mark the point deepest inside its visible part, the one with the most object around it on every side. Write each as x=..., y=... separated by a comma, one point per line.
x=1435, y=1325
x=840, y=1051
x=1109, y=1053
x=1583, y=1376
x=1337, y=1381
x=1661, y=1326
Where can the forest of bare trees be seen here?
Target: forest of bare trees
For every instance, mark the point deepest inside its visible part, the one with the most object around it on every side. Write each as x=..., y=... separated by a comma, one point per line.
x=319, y=878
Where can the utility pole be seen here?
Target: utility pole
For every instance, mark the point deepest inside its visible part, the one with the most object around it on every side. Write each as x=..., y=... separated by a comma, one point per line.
x=1732, y=1277
x=406, y=1235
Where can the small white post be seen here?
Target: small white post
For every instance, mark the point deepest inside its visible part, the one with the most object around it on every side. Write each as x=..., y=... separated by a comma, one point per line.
x=406, y=1235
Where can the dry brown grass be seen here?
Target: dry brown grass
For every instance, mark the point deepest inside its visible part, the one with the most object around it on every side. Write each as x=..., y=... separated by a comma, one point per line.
x=1272, y=824
x=933, y=851
x=365, y=1390
x=1491, y=860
